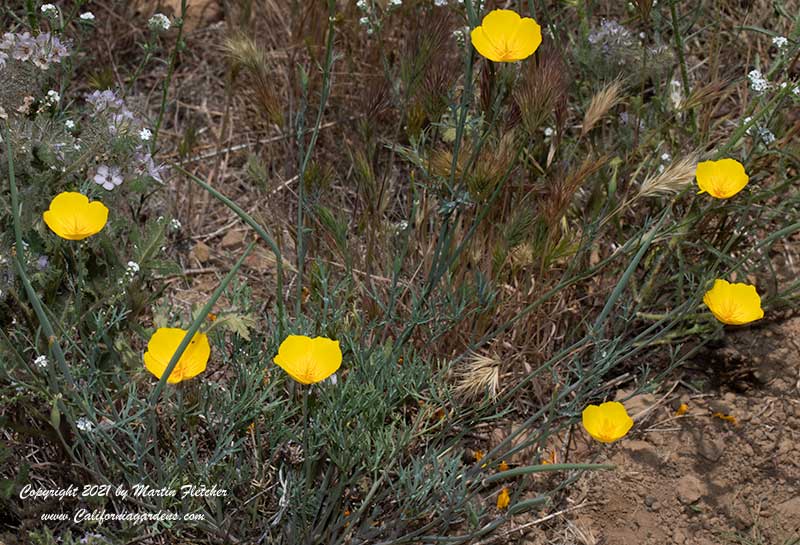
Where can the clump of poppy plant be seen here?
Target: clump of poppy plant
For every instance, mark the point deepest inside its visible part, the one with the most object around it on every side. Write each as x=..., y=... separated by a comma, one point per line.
x=734, y=304
x=607, y=422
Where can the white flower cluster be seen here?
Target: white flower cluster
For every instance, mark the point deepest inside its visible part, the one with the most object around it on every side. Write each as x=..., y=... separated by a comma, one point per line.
x=766, y=135
x=761, y=133
x=758, y=83
x=52, y=98
x=87, y=16
x=132, y=269
x=41, y=362
x=159, y=23
x=49, y=10
x=780, y=42
x=84, y=424
x=364, y=20
x=460, y=34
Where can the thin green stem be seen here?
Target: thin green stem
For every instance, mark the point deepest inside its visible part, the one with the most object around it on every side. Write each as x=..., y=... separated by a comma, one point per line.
x=325, y=93
x=165, y=88
x=681, y=59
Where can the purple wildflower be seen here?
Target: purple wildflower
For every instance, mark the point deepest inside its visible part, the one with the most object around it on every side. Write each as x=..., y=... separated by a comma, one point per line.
x=108, y=177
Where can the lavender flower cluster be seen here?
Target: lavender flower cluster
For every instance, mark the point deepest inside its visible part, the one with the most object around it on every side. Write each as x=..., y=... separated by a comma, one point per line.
x=611, y=36
x=42, y=50
x=121, y=121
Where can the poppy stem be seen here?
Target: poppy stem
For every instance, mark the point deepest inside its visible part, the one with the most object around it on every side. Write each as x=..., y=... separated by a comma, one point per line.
x=306, y=456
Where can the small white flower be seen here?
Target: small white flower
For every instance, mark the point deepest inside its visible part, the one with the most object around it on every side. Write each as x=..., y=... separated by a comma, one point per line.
x=69, y=124
x=132, y=268
x=49, y=10
x=362, y=5
x=53, y=97
x=666, y=157
x=159, y=23
x=145, y=135
x=439, y=3
x=395, y=3
x=548, y=132
x=779, y=42
x=41, y=362
x=87, y=16
x=174, y=224
x=363, y=21
x=84, y=424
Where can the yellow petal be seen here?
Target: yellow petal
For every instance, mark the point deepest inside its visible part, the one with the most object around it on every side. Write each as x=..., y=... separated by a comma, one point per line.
x=733, y=304
x=327, y=357
x=163, y=345
x=482, y=44
x=500, y=23
x=56, y=224
x=309, y=360
x=96, y=217
x=721, y=179
x=607, y=422
x=527, y=39
x=68, y=201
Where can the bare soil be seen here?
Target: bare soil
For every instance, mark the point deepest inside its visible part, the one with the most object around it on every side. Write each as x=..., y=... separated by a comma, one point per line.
x=702, y=478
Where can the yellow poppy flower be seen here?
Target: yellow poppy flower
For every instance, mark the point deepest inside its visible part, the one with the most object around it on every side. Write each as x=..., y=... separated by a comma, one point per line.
x=607, y=422
x=163, y=345
x=72, y=217
x=309, y=360
x=504, y=36
x=733, y=304
x=721, y=179
x=503, y=499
